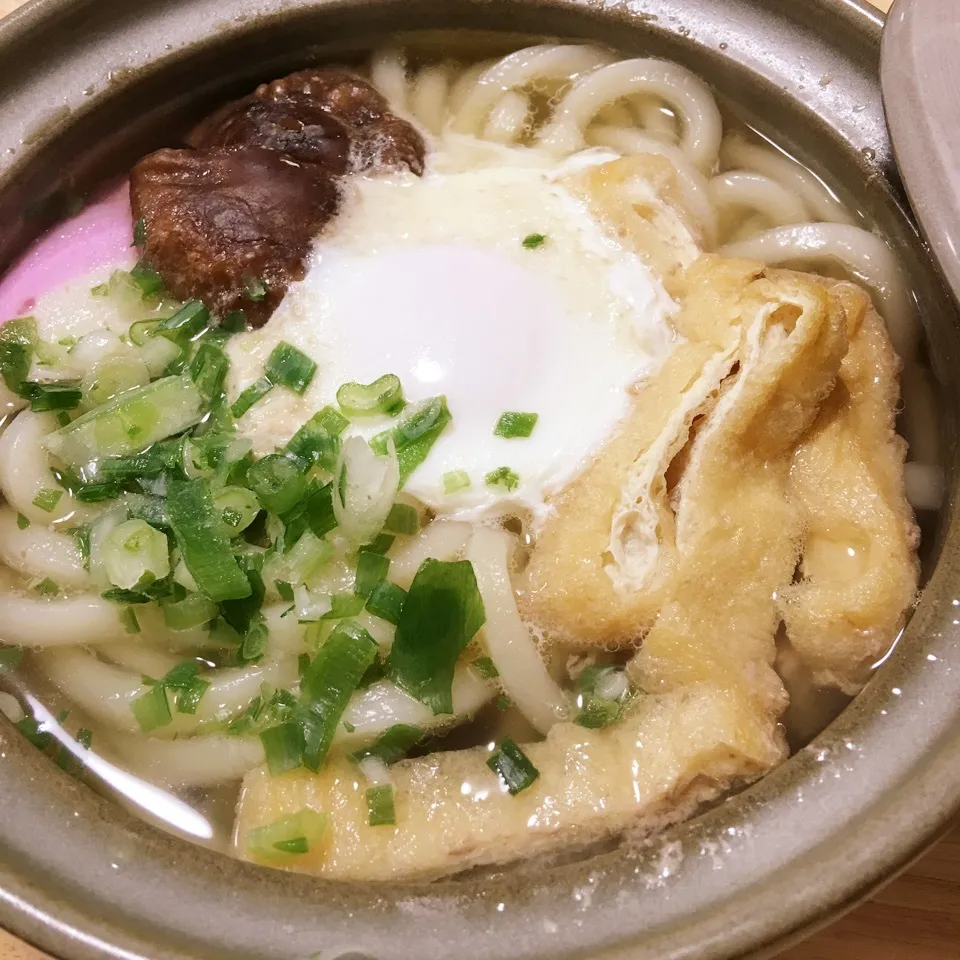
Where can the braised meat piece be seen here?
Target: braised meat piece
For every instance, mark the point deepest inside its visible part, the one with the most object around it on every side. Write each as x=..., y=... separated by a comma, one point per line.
x=231, y=221
x=230, y=227
x=378, y=137
x=296, y=126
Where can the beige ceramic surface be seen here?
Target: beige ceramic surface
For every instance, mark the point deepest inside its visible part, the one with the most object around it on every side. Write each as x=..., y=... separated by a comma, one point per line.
x=917, y=917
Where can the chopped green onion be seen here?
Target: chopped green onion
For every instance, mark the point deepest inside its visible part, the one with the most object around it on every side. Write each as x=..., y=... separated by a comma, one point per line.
x=47, y=588
x=100, y=290
x=255, y=289
x=533, y=240
x=277, y=482
x=81, y=538
x=384, y=395
x=455, y=480
x=255, y=641
x=209, y=369
x=187, y=686
x=139, y=233
x=343, y=605
x=503, y=702
x=502, y=477
x=146, y=279
x=283, y=747
x=243, y=612
x=134, y=553
x=18, y=342
x=205, y=550
x=194, y=610
x=22, y=521
x=289, y=367
x=33, y=730
x=317, y=441
x=402, y=518
x=301, y=563
x=238, y=508
x=392, y=745
x=84, y=738
x=596, y=712
x=51, y=396
x=129, y=423
x=513, y=766
x=234, y=322
x=386, y=601
x=328, y=684
x=186, y=323
x=442, y=613
x=95, y=492
x=255, y=392
x=113, y=375
x=486, y=668
x=381, y=543
x=318, y=508
x=371, y=569
x=152, y=709
x=141, y=332
x=415, y=434
x=295, y=834
x=128, y=618
x=47, y=499
x=380, y=806
x=512, y=425
x=285, y=590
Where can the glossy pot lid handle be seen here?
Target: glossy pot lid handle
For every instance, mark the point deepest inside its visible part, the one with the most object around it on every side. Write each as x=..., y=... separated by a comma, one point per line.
x=920, y=76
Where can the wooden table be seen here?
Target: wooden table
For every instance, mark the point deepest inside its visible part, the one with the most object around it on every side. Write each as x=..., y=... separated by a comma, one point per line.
x=917, y=917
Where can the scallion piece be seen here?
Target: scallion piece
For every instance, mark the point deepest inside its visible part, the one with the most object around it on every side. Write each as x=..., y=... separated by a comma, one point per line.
x=47, y=499
x=22, y=522
x=277, y=482
x=238, y=508
x=596, y=712
x=139, y=233
x=486, y=668
x=381, y=543
x=44, y=397
x=380, y=806
x=146, y=279
x=326, y=688
x=289, y=367
x=152, y=709
x=243, y=612
x=255, y=288
x=128, y=617
x=234, y=322
x=371, y=569
x=318, y=508
x=415, y=434
x=442, y=613
x=10, y=658
x=18, y=342
x=47, y=588
x=513, y=766
x=384, y=395
x=283, y=747
x=141, y=332
x=205, y=550
x=502, y=477
x=134, y=554
x=187, y=686
x=187, y=322
x=533, y=240
x=343, y=605
x=386, y=601
x=209, y=369
x=251, y=395
x=293, y=835
x=513, y=425
x=455, y=480
x=254, y=641
x=318, y=440
x=402, y=518
x=392, y=745
x=129, y=423
x=194, y=610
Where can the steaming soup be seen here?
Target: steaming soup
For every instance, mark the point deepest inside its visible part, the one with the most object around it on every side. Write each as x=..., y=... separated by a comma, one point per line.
x=435, y=481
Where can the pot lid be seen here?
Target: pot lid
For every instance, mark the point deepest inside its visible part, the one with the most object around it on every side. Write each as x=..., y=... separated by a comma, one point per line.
x=920, y=79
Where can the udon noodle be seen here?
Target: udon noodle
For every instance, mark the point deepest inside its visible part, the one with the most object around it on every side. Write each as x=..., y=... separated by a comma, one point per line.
x=732, y=496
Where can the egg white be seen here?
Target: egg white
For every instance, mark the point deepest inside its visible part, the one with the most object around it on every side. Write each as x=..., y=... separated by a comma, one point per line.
x=428, y=278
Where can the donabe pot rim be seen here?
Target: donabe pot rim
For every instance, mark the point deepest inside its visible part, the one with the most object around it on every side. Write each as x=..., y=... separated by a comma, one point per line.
x=83, y=879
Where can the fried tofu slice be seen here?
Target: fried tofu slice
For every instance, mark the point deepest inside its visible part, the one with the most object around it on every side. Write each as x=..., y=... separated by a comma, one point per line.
x=859, y=571
x=708, y=715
